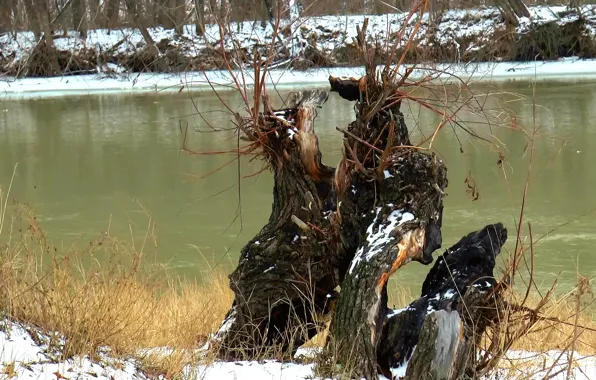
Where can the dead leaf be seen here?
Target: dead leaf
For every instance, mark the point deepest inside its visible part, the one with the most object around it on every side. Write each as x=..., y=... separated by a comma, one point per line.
x=472, y=189
x=59, y=376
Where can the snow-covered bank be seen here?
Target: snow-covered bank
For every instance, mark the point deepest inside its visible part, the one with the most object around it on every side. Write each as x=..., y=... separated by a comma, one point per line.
x=568, y=69
x=25, y=353
x=28, y=355
x=460, y=35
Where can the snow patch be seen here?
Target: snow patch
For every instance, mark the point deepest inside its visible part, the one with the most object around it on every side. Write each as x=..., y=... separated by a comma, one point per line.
x=226, y=325
x=291, y=133
x=383, y=235
x=269, y=269
x=449, y=294
x=30, y=360
x=400, y=371
x=394, y=312
x=562, y=69
x=330, y=34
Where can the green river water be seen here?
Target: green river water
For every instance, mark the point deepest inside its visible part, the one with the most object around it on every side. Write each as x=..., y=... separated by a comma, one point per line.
x=89, y=162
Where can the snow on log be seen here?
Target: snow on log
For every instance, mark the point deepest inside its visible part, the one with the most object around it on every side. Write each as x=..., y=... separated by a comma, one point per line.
x=402, y=229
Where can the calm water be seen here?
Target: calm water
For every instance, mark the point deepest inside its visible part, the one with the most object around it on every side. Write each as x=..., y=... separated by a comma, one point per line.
x=86, y=163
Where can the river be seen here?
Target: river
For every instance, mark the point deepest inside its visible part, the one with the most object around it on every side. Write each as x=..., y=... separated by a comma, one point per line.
x=89, y=163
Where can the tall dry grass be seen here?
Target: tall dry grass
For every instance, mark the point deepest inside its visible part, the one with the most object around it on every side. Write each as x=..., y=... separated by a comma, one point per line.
x=103, y=293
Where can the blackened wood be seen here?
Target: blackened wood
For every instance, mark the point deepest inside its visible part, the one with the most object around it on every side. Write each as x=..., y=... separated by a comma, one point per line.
x=459, y=281
x=346, y=87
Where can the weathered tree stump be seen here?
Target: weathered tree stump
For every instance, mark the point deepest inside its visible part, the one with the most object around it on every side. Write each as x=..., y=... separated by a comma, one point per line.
x=409, y=207
x=353, y=226
x=458, y=284
x=287, y=273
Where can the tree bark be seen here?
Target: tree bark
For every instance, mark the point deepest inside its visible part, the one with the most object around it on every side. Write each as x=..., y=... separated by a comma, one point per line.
x=459, y=281
x=270, y=10
x=200, y=17
x=404, y=226
x=6, y=17
x=98, y=19
x=223, y=10
x=49, y=51
x=141, y=24
x=163, y=13
x=33, y=19
x=353, y=226
x=441, y=348
x=520, y=9
x=113, y=13
x=44, y=19
x=286, y=274
x=213, y=10
x=180, y=16
x=512, y=10
x=79, y=17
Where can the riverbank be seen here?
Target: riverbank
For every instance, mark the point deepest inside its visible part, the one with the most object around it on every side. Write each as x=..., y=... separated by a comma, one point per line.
x=566, y=69
x=122, y=317
x=27, y=353
x=456, y=36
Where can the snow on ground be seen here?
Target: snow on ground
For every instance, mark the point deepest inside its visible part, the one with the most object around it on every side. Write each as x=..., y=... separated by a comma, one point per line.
x=331, y=31
x=23, y=357
x=563, y=69
x=326, y=34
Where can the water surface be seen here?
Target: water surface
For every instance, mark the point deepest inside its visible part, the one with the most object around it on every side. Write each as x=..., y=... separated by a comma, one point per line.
x=89, y=163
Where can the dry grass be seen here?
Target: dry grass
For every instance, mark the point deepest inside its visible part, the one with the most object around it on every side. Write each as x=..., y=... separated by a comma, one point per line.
x=103, y=294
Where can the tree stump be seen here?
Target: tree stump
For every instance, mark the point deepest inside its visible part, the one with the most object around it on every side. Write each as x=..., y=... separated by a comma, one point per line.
x=459, y=282
x=286, y=274
x=405, y=226
x=353, y=226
